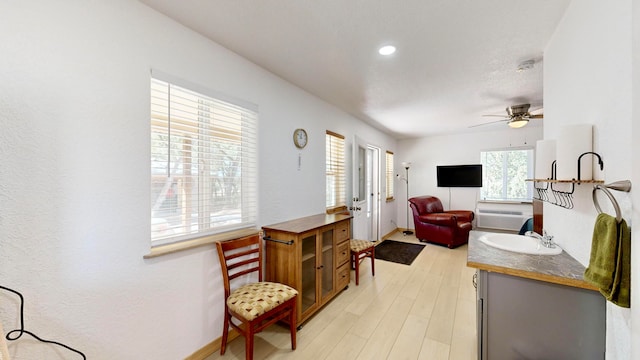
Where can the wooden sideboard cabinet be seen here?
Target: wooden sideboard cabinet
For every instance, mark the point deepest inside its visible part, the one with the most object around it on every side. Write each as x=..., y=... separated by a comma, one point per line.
x=312, y=256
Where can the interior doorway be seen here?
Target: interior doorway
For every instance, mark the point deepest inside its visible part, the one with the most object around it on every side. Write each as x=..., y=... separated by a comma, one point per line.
x=365, y=206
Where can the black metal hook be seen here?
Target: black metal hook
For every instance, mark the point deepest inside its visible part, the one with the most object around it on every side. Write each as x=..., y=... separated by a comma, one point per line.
x=563, y=198
x=593, y=153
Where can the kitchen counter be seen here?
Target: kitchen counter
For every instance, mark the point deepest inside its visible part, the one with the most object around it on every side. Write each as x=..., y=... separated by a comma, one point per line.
x=558, y=269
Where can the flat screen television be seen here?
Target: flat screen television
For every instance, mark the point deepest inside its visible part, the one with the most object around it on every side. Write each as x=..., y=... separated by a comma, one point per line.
x=459, y=175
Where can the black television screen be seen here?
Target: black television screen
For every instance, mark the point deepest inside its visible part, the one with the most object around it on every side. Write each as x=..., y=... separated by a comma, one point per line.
x=459, y=175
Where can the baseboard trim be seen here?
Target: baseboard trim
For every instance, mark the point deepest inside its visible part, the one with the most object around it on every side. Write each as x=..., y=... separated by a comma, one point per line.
x=211, y=347
x=385, y=237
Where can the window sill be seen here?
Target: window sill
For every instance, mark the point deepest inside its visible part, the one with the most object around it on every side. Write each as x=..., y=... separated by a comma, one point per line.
x=336, y=210
x=166, y=249
x=504, y=202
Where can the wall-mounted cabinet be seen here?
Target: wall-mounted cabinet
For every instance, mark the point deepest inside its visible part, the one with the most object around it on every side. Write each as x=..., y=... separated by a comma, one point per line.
x=312, y=256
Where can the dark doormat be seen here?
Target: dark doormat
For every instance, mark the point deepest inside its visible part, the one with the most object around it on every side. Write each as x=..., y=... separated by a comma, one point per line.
x=398, y=251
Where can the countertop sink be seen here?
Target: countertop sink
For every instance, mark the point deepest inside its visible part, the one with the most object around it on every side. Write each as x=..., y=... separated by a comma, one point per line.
x=518, y=243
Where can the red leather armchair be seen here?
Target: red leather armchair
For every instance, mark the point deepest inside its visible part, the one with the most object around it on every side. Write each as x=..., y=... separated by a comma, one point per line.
x=433, y=224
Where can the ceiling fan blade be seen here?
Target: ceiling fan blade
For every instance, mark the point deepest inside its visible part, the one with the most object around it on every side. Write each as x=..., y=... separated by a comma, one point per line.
x=502, y=116
x=536, y=116
x=488, y=123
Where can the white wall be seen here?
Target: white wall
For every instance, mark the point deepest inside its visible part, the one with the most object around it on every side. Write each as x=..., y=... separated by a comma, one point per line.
x=587, y=80
x=426, y=153
x=74, y=194
x=635, y=161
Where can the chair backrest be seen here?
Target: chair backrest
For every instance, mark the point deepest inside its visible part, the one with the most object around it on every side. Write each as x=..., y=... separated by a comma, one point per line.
x=239, y=257
x=426, y=204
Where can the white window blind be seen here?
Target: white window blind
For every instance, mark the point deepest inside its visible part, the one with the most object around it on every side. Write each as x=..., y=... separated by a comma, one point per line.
x=335, y=173
x=389, y=175
x=203, y=163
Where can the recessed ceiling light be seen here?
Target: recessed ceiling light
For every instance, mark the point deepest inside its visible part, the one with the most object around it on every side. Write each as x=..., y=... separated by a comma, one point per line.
x=387, y=50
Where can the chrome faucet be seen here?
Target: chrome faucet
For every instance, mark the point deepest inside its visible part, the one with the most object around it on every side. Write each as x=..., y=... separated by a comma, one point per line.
x=545, y=239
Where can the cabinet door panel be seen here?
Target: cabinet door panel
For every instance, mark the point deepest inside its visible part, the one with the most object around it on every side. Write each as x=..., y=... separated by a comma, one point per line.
x=309, y=273
x=328, y=265
x=562, y=322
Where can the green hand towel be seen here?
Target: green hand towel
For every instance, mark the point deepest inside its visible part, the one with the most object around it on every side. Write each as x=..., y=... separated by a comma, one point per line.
x=604, y=246
x=610, y=260
x=620, y=293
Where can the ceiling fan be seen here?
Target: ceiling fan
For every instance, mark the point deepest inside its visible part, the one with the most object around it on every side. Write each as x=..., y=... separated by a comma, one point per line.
x=517, y=116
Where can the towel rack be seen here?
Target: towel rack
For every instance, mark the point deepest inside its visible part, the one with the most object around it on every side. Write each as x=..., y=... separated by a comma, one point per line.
x=269, y=238
x=624, y=185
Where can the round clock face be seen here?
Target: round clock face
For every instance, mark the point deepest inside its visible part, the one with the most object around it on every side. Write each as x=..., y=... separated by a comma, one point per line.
x=300, y=138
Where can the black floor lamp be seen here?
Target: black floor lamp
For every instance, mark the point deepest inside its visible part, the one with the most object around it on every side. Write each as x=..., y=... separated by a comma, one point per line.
x=406, y=166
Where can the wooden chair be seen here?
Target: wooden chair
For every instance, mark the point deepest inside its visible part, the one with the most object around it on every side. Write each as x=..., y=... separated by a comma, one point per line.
x=255, y=305
x=361, y=249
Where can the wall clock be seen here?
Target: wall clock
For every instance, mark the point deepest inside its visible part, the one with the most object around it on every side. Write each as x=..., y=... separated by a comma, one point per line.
x=300, y=138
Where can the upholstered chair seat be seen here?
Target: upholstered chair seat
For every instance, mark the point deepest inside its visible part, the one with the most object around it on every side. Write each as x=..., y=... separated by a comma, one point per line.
x=252, y=300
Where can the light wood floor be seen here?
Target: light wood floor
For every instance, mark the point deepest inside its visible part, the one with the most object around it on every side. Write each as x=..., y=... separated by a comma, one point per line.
x=423, y=311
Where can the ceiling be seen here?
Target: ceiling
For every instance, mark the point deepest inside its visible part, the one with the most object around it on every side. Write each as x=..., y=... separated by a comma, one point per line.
x=456, y=60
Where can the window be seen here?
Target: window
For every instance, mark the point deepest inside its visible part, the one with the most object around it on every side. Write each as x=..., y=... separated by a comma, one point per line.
x=335, y=174
x=504, y=174
x=203, y=163
x=389, y=177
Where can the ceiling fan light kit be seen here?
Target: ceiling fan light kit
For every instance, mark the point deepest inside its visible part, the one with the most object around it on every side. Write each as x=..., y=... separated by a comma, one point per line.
x=518, y=123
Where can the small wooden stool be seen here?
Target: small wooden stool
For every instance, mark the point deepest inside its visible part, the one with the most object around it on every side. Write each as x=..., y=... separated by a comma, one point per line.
x=361, y=249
